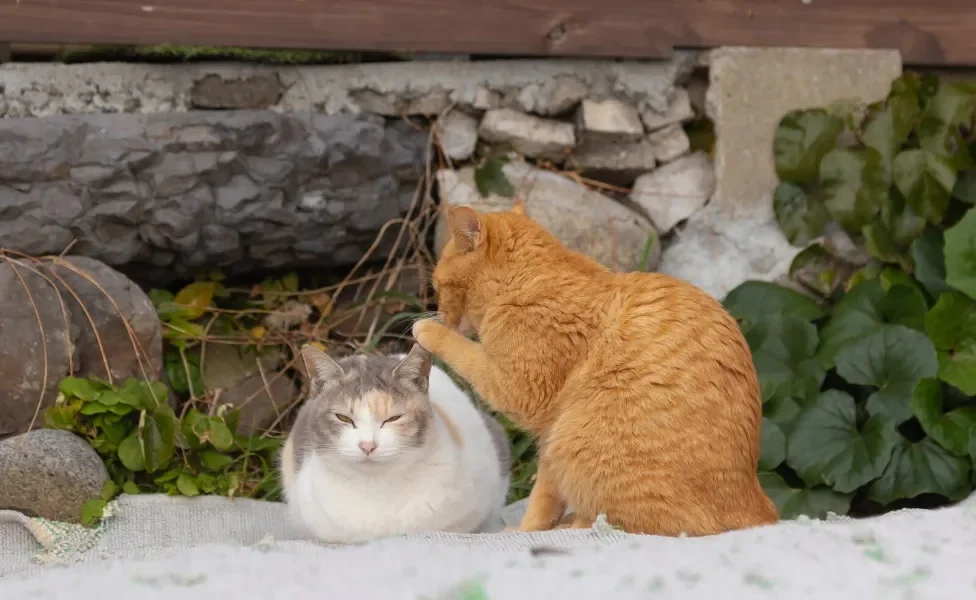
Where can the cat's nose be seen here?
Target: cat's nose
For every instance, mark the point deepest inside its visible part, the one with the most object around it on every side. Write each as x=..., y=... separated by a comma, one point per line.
x=367, y=447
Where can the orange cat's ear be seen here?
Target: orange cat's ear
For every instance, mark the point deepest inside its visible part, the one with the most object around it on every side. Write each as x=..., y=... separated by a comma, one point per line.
x=465, y=226
x=518, y=208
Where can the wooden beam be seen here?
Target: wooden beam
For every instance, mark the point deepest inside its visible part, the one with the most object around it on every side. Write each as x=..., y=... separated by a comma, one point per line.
x=928, y=32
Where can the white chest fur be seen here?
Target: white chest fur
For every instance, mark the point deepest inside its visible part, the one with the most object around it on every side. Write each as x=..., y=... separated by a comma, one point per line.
x=457, y=485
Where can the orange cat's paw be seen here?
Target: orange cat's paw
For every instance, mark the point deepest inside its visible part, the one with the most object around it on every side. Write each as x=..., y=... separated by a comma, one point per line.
x=425, y=331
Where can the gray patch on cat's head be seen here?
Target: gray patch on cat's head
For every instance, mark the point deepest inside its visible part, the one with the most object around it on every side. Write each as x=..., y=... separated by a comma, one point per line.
x=386, y=385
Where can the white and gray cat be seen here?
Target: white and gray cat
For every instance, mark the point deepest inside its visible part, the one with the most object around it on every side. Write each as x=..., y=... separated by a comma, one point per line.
x=391, y=445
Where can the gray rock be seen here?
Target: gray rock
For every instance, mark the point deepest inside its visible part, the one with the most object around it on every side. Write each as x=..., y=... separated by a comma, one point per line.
x=678, y=111
x=584, y=220
x=458, y=134
x=672, y=193
x=110, y=301
x=528, y=135
x=610, y=118
x=32, y=364
x=614, y=162
x=717, y=253
x=74, y=297
x=150, y=191
x=215, y=92
x=226, y=366
x=259, y=409
x=669, y=143
x=49, y=473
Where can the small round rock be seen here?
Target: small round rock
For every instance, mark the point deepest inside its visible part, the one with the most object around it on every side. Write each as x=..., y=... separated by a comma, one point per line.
x=49, y=473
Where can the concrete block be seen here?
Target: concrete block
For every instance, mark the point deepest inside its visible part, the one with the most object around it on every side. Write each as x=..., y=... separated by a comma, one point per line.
x=750, y=91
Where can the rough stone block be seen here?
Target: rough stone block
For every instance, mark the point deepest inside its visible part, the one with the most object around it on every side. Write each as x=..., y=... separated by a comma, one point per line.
x=616, y=162
x=542, y=87
x=583, y=219
x=528, y=135
x=610, y=118
x=674, y=192
x=169, y=194
x=751, y=89
x=678, y=111
x=458, y=135
x=669, y=143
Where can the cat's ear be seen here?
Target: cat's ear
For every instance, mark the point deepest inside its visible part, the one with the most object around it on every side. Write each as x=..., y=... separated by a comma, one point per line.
x=466, y=227
x=518, y=208
x=320, y=366
x=415, y=368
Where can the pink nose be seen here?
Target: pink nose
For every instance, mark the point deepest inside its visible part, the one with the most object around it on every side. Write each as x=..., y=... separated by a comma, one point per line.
x=367, y=447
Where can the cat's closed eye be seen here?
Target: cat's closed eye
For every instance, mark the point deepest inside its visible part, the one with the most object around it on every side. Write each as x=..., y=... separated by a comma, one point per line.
x=345, y=419
x=392, y=419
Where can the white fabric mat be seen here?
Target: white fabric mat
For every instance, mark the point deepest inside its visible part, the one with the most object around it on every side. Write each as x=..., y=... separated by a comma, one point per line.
x=202, y=548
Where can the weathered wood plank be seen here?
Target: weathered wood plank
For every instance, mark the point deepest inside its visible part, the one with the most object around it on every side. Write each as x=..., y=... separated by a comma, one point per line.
x=935, y=32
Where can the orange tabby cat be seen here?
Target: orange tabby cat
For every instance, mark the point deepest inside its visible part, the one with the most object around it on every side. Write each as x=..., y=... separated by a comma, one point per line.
x=640, y=387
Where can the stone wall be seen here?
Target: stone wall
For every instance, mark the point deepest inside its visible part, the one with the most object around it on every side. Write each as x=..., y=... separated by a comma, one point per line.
x=171, y=194
x=175, y=169
x=347, y=144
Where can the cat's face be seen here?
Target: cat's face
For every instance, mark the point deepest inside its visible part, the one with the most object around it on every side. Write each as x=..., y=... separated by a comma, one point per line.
x=368, y=409
x=472, y=249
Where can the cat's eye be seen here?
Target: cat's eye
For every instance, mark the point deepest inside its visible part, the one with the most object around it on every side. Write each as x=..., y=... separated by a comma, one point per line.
x=345, y=419
x=392, y=419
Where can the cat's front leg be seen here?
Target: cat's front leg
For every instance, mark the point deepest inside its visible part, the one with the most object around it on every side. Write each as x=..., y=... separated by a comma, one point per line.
x=467, y=358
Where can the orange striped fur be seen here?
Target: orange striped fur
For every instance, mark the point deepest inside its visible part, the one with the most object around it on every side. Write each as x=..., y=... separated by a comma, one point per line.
x=640, y=387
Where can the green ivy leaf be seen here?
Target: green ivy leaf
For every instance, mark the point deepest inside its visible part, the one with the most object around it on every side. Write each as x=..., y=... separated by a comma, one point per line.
x=891, y=359
x=864, y=310
x=490, y=178
x=854, y=186
x=960, y=254
x=816, y=268
x=965, y=188
x=887, y=129
x=186, y=485
x=158, y=438
x=815, y=503
x=949, y=109
x=956, y=430
x=74, y=387
x=772, y=447
x=782, y=411
x=825, y=446
x=290, y=282
x=926, y=181
x=800, y=217
x=92, y=511
x=801, y=141
x=951, y=325
x=130, y=453
x=109, y=490
x=219, y=434
x=921, y=468
x=880, y=242
x=215, y=461
x=904, y=224
x=927, y=254
x=94, y=408
x=785, y=358
x=130, y=487
x=754, y=301
x=196, y=298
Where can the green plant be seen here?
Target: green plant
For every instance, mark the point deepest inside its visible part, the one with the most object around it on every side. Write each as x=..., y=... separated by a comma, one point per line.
x=869, y=380
x=148, y=448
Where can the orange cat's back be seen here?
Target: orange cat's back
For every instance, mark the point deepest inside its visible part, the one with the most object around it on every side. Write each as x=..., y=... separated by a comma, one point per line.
x=659, y=424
